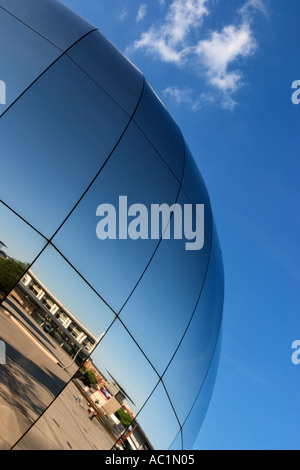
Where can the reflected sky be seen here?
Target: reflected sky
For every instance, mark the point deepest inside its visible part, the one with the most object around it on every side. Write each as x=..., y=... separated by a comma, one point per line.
x=22, y=242
x=42, y=16
x=198, y=412
x=118, y=355
x=165, y=299
x=109, y=68
x=113, y=267
x=25, y=56
x=198, y=345
x=159, y=127
x=157, y=419
x=50, y=169
x=68, y=287
x=55, y=140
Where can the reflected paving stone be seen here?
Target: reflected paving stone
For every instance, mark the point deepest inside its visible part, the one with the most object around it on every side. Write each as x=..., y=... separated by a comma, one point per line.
x=32, y=376
x=65, y=426
x=110, y=344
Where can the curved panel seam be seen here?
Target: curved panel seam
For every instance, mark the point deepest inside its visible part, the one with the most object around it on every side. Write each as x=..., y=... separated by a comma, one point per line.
x=207, y=371
x=44, y=71
x=32, y=29
x=151, y=258
x=41, y=35
x=99, y=86
x=98, y=173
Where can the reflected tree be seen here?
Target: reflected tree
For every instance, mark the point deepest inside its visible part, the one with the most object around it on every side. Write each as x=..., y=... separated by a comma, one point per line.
x=89, y=378
x=11, y=270
x=124, y=417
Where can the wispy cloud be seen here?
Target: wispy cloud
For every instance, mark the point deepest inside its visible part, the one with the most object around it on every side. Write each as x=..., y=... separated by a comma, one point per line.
x=187, y=96
x=141, y=12
x=221, y=50
x=167, y=40
x=216, y=57
x=249, y=9
x=123, y=15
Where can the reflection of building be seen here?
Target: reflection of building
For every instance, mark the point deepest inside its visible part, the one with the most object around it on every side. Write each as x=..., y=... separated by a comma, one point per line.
x=54, y=317
x=89, y=365
x=135, y=438
x=110, y=398
x=115, y=137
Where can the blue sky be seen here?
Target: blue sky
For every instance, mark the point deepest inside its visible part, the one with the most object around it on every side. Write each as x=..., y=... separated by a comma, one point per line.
x=224, y=69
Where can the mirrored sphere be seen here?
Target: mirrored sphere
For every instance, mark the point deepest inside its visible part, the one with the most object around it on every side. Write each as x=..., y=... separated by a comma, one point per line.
x=111, y=273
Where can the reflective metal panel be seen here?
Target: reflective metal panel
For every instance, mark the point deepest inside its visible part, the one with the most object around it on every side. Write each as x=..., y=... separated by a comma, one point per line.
x=69, y=423
x=158, y=421
x=24, y=55
x=161, y=130
x=19, y=246
x=53, y=142
x=114, y=266
x=111, y=294
x=216, y=247
x=50, y=18
x=122, y=363
x=195, y=189
x=100, y=402
x=177, y=443
x=95, y=411
x=33, y=374
x=197, y=414
x=66, y=301
x=102, y=61
x=50, y=323
x=166, y=296
x=197, y=348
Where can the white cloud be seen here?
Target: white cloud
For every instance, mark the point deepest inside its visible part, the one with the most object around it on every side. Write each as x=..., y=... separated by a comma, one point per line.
x=167, y=40
x=187, y=96
x=123, y=15
x=182, y=17
x=179, y=95
x=141, y=12
x=249, y=8
x=221, y=50
x=217, y=57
